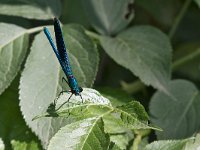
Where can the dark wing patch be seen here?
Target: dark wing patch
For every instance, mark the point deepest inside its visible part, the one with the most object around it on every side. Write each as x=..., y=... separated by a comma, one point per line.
x=61, y=47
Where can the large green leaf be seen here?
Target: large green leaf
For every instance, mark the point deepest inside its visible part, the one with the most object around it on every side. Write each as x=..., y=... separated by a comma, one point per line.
x=109, y=17
x=13, y=129
x=145, y=51
x=33, y=9
x=167, y=145
x=117, y=120
x=13, y=46
x=40, y=81
x=192, y=143
x=83, y=135
x=177, y=114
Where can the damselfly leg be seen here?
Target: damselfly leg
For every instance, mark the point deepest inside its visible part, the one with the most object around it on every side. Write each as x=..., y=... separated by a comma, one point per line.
x=64, y=102
x=63, y=91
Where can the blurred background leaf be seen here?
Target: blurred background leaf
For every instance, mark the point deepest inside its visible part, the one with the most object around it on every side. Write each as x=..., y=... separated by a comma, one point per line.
x=32, y=9
x=177, y=113
x=164, y=145
x=109, y=17
x=145, y=51
x=13, y=47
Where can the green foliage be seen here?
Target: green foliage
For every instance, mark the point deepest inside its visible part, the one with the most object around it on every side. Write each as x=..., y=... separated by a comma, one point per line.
x=12, y=123
x=86, y=134
x=117, y=121
x=165, y=145
x=108, y=17
x=112, y=43
x=13, y=48
x=138, y=44
x=171, y=112
x=33, y=9
x=43, y=93
x=186, y=144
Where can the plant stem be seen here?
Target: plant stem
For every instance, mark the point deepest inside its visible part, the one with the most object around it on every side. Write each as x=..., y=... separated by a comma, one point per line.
x=93, y=35
x=185, y=59
x=36, y=29
x=133, y=87
x=137, y=141
x=179, y=17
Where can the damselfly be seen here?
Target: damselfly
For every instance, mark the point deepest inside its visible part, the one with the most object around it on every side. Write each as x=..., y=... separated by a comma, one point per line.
x=63, y=59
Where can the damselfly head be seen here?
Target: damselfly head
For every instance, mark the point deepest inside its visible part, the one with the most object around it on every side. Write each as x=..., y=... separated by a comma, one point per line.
x=80, y=89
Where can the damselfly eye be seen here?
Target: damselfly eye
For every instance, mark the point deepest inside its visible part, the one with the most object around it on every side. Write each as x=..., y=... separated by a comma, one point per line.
x=80, y=89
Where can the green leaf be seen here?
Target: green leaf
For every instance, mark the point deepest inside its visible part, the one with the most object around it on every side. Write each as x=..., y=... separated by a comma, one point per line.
x=13, y=48
x=93, y=104
x=134, y=109
x=116, y=96
x=109, y=17
x=32, y=9
x=146, y=53
x=192, y=143
x=167, y=145
x=82, y=135
x=130, y=116
x=177, y=113
x=117, y=120
x=2, y=146
x=12, y=125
